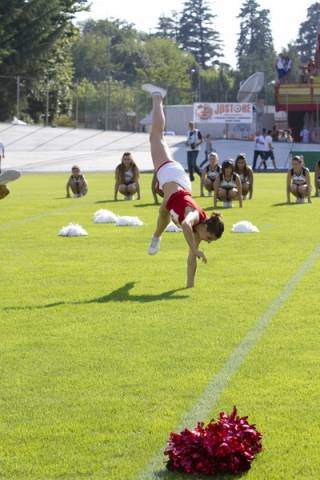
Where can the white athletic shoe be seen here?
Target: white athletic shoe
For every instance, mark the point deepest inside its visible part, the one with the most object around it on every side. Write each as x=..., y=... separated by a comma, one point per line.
x=9, y=176
x=154, y=246
x=227, y=204
x=154, y=90
x=300, y=200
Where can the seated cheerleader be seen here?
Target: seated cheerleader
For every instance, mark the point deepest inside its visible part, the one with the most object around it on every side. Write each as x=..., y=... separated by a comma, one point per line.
x=127, y=178
x=298, y=181
x=246, y=175
x=178, y=204
x=227, y=186
x=317, y=179
x=210, y=173
x=77, y=183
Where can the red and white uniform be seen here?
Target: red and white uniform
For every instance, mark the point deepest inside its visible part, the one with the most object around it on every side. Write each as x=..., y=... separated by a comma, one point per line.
x=177, y=204
x=172, y=171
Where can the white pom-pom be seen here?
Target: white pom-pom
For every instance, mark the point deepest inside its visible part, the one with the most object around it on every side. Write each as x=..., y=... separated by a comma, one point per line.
x=105, y=216
x=73, y=230
x=244, y=227
x=129, y=221
x=172, y=227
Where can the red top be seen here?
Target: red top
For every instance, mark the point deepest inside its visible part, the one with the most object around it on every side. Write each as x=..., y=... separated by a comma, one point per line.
x=177, y=204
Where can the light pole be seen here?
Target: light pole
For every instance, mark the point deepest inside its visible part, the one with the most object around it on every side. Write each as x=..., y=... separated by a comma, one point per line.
x=18, y=96
x=77, y=105
x=197, y=71
x=108, y=103
x=18, y=82
x=47, y=105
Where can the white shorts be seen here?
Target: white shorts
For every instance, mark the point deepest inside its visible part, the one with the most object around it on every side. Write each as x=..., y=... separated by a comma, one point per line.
x=173, y=171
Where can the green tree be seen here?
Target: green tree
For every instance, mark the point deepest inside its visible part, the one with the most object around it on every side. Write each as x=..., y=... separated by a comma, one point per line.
x=108, y=47
x=255, y=50
x=168, y=66
x=218, y=84
x=307, y=37
x=169, y=27
x=91, y=57
x=197, y=35
x=56, y=84
x=105, y=104
x=28, y=33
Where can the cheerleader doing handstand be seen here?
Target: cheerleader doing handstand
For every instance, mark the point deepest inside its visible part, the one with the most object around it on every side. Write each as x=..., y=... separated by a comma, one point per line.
x=178, y=204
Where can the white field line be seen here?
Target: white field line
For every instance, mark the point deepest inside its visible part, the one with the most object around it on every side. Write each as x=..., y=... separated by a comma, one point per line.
x=211, y=395
x=33, y=218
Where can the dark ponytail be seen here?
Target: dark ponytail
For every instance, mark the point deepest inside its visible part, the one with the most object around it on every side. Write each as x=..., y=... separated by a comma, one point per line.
x=215, y=225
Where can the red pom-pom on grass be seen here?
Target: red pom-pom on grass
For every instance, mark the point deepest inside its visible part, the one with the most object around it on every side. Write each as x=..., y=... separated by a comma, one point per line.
x=227, y=445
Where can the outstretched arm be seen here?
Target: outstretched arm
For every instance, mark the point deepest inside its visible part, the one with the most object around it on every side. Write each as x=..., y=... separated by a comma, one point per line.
x=192, y=218
x=251, y=183
x=191, y=267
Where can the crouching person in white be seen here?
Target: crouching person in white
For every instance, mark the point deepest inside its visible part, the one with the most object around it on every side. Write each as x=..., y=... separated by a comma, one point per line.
x=298, y=181
x=178, y=204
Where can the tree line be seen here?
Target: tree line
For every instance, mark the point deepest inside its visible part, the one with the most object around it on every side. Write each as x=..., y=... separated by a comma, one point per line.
x=51, y=66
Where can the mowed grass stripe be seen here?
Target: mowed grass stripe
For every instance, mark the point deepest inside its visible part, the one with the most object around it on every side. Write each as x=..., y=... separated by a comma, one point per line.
x=208, y=400
x=279, y=387
x=101, y=352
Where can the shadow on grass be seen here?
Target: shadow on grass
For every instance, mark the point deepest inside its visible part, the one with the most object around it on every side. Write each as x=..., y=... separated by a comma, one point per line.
x=283, y=204
x=107, y=201
x=122, y=294
x=167, y=475
x=210, y=209
x=147, y=205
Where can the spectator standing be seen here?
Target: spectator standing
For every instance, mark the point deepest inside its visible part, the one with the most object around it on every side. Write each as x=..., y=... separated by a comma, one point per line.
x=275, y=134
x=260, y=148
x=208, y=147
x=269, y=152
x=287, y=67
x=194, y=140
x=305, y=135
x=280, y=67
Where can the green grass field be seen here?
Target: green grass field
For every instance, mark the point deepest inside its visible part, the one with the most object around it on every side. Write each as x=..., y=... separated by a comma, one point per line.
x=103, y=351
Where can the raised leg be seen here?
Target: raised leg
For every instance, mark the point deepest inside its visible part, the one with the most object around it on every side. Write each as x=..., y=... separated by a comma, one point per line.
x=160, y=152
x=163, y=221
